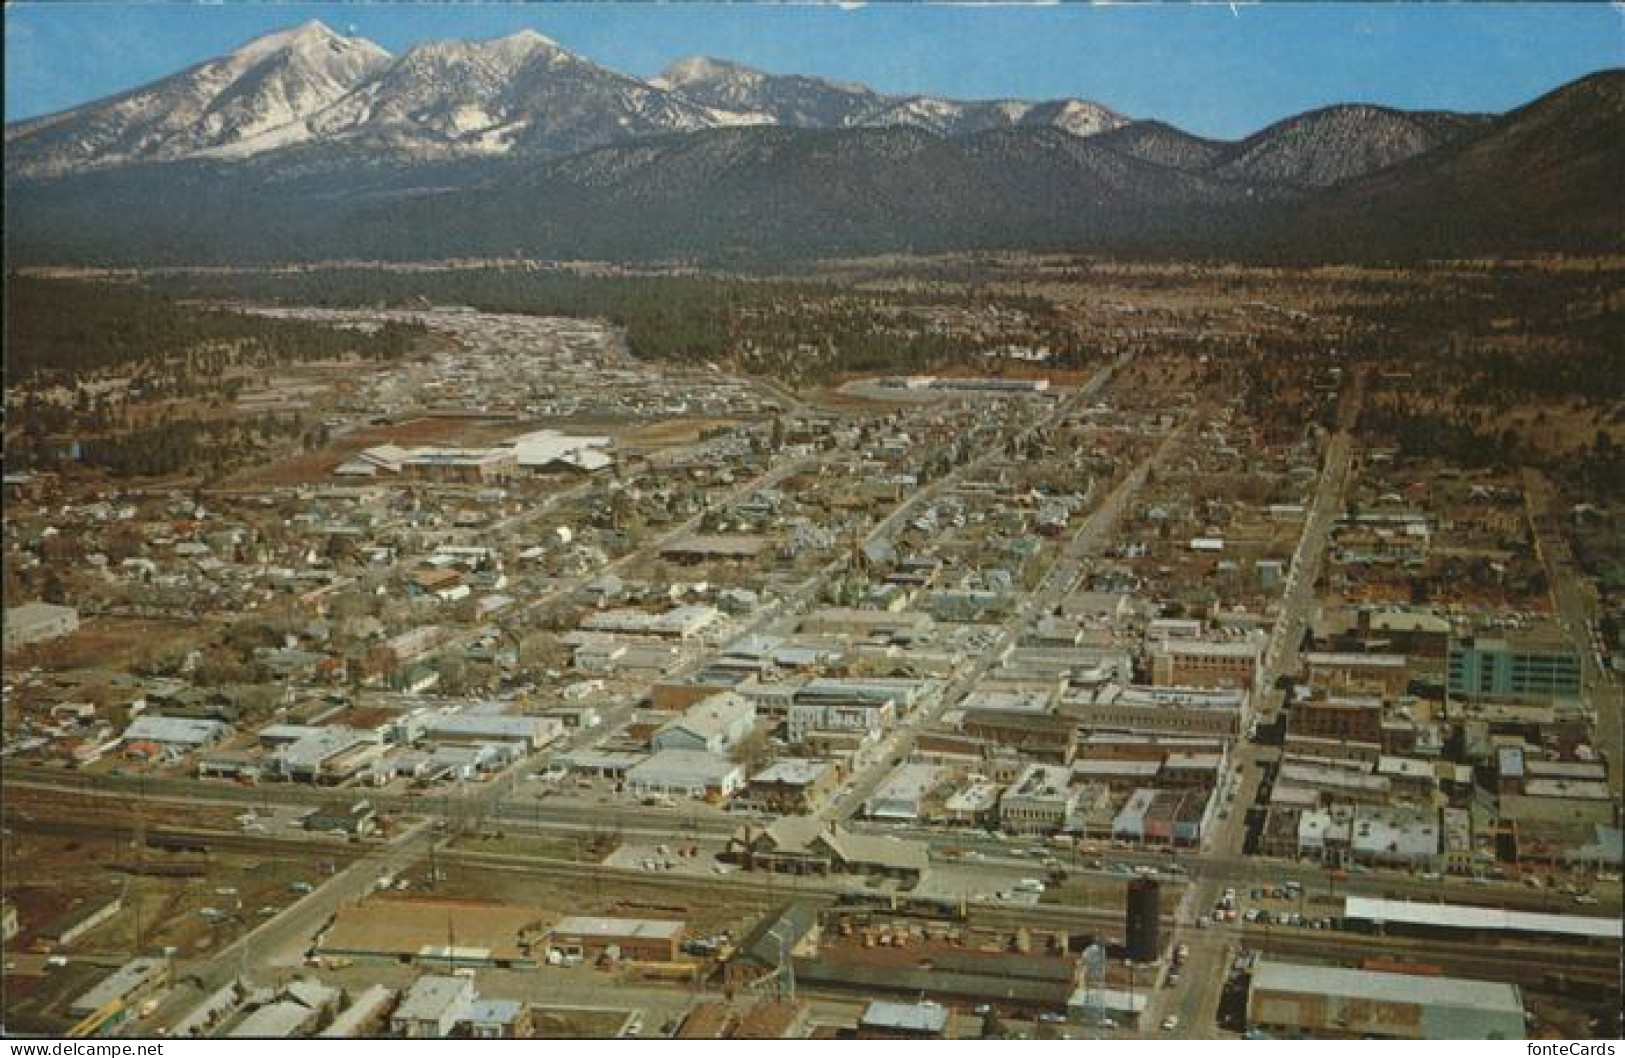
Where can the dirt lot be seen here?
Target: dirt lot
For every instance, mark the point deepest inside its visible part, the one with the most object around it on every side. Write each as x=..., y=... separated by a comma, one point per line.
x=696, y=901
x=646, y=436
x=51, y=875
x=49, y=867
x=553, y=848
x=57, y=806
x=564, y=1023
x=33, y=1002
x=104, y=643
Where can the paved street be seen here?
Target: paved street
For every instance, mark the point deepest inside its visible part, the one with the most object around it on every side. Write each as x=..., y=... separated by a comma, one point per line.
x=1576, y=606
x=1196, y=997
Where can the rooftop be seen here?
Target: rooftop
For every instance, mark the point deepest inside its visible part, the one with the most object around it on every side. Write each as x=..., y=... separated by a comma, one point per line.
x=402, y=927
x=1461, y=916
x=592, y=926
x=793, y=771
x=908, y=1017
x=1492, y=1001
x=430, y=997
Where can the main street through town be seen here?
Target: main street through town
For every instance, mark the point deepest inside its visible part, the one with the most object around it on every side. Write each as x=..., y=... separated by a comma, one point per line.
x=1193, y=1005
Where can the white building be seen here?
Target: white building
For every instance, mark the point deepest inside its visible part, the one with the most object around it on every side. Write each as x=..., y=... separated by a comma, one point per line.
x=685, y=773
x=36, y=622
x=1038, y=801
x=548, y=450
x=903, y=794
x=531, y=732
x=181, y=734
x=680, y=622
x=712, y=725
x=431, y=1007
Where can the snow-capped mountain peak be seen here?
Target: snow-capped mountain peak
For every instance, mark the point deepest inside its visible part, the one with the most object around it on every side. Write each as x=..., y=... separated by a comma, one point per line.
x=250, y=99
x=310, y=86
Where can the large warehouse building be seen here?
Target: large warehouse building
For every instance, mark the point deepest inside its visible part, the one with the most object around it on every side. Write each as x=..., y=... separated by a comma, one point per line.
x=1461, y=922
x=1297, y=1000
x=434, y=932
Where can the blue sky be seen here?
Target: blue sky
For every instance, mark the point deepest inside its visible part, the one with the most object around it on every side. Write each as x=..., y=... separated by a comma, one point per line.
x=1213, y=69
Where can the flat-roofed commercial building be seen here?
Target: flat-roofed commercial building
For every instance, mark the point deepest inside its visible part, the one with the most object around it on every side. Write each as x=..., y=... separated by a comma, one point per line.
x=794, y=785
x=1039, y=801
x=1545, y=668
x=906, y=1021
x=898, y=627
x=129, y=984
x=1205, y=663
x=36, y=622
x=178, y=733
x=1043, y=736
x=77, y=921
x=531, y=732
x=431, y=1007
x=1463, y=921
x=685, y=773
x=327, y=755
x=1215, y=711
x=679, y=622
x=1326, y=1002
x=1388, y=629
x=1360, y=674
x=864, y=720
x=1344, y=719
x=905, y=792
x=639, y=939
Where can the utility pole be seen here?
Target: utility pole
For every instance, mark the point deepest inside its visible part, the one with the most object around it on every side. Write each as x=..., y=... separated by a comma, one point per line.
x=140, y=842
x=242, y=944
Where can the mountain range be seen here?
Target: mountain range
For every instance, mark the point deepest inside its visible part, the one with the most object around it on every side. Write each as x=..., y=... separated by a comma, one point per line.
x=516, y=95
x=307, y=143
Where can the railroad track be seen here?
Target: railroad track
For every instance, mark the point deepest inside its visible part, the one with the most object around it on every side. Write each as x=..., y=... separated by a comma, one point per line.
x=161, y=838
x=1521, y=964
x=814, y=891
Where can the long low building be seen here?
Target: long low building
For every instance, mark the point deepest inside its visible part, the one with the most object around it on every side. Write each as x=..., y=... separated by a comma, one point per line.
x=685, y=773
x=1411, y=915
x=1299, y=1000
x=36, y=622
x=532, y=732
x=649, y=940
x=1213, y=712
x=179, y=733
x=434, y=932
x=363, y=1017
x=679, y=622
x=136, y=979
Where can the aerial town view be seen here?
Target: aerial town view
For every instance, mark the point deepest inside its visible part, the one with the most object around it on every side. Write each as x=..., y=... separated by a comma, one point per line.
x=1078, y=523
